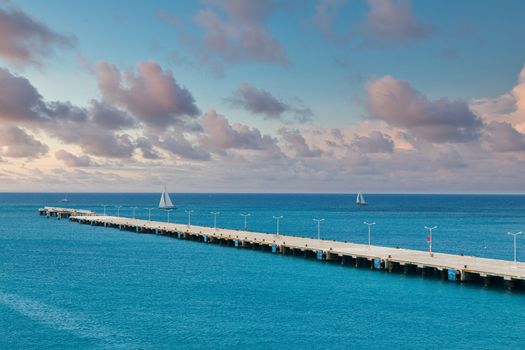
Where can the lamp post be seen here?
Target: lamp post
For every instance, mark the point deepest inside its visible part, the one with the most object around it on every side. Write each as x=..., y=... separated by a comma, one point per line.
x=134, y=208
x=215, y=213
x=515, y=236
x=430, y=229
x=149, y=213
x=118, y=210
x=189, y=216
x=318, y=227
x=369, y=231
x=105, y=205
x=168, y=211
x=245, y=221
x=278, y=218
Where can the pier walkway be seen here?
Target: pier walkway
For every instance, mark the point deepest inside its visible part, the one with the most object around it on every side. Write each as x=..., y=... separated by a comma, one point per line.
x=64, y=212
x=445, y=266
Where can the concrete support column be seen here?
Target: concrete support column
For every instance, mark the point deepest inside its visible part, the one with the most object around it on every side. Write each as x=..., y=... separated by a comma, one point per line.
x=487, y=281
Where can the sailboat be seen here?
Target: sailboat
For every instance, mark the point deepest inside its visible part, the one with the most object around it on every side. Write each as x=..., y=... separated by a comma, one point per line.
x=360, y=200
x=165, y=200
x=64, y=200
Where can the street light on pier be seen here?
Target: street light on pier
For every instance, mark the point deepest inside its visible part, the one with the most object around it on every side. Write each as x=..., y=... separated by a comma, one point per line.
x=215, y=213
x=189, y=216
x=118, y=210
x=515, y=236
x=278, y=218
x=245, y=221
x=149, y=213
x=134, y=208
x=318, y=227
x=105, y=205
x=430, y=229
x=169, y=211
x=370, y=224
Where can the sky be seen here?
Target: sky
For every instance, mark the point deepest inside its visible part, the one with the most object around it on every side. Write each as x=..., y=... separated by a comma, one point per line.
x=330, y=96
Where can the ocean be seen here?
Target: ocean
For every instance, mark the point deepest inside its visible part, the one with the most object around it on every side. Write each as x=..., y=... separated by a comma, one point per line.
x=70, y=286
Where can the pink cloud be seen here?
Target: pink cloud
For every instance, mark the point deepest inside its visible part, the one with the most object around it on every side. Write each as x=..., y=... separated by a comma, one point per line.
x=152, y=94
x=503, y=137
x=296, y=142
x=375, y=142
x=260, y=101
x=231, y=32
x=509, y=107
x=220, y=135
x=399, y=105
x=25, y=41
x=72, y=160
x=394, y=21
x=15, y=142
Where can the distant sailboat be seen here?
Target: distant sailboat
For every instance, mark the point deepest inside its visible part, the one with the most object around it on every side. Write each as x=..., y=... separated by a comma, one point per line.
x=165, y=200
x=64, y=200
x=360, y=200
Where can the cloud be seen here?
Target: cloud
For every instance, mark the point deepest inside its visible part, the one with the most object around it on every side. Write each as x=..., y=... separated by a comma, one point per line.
x=152, y=95
x=259, y=101
x=375, y=142
x=95, y=141
x=296, y=142
x=15, y=142
x=21, y=103
x=72, y=160
x=450, y=159
x=19, y=100
x=232, y=31
x=398, y=104
x=101, y=129
x=25, y=41
x=509, y=107
x=147, y=148
x=391, y=21
x=387, y=22
x=85, y=64
x=326, y=12
x=242, y=36
x=503, y=137
x=109, y=117
x=220, y=135
x=177, y=144
x=92, y=129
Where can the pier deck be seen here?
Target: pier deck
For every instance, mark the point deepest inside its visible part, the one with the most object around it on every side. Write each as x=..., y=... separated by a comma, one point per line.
x=64, y=212
x=446, y=266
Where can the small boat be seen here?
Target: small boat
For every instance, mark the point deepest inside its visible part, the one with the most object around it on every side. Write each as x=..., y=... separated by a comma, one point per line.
x=64, y=200
x=165, y=200
x=360, y=200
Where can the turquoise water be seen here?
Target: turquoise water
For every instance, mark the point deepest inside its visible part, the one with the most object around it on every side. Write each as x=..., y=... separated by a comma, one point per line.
x=70, y=286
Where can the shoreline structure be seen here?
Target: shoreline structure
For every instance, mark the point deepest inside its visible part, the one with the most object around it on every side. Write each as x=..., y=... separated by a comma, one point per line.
x=451, y=267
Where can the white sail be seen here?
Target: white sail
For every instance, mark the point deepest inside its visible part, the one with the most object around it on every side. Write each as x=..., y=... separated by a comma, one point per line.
x=165, y=200
x=360, y=200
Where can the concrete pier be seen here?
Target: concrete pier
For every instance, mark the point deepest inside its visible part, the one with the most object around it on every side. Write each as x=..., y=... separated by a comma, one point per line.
x=457, y=268
x=60, y=213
